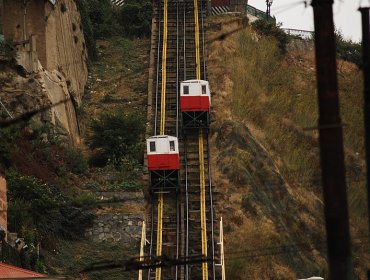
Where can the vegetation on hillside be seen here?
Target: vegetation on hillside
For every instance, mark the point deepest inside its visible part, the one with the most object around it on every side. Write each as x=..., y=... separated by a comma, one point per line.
x=43, y=204
x=101, y=19
x=117, y=136
x=348, y=50
x=53, y=187
x=273, y=94
x=268, y=28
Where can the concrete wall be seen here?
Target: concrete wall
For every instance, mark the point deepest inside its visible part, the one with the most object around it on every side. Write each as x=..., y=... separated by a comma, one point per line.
x=3, y=203
x=60, y=43
x=50, y=43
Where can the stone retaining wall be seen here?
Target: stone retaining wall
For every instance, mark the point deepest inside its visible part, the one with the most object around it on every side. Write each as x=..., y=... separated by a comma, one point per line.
x=117, y=227
x=121, y=220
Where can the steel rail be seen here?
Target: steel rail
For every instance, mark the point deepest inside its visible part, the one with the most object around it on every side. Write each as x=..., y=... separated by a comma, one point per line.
x=151, y=236
x=203, y=50
x=164, y=68
x=142, y=244
x=159, y=8
x=157, y=80
x=203, y=216
x=186, y=208
x=177, y=132
x=184, y=5
x=158, y=271
x=211, y=210
x=197, y=52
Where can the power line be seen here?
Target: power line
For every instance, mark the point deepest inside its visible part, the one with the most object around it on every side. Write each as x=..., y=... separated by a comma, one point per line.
x=165, y=261
x=28, y=115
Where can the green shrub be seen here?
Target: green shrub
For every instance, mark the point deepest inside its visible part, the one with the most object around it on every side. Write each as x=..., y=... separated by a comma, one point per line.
x=41, y=212
x=8, y=136
x=117, y=136
x=94, y=186
x=85, y=199
x=103, y=18
x=76, y=160
x=136, y=17
x=7, y=53
x=269, y=28
x=124, y=186
x=347, y=49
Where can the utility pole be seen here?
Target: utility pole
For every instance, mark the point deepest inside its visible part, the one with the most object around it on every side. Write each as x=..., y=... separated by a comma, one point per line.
x=366, y=70
x=268, y=8
x=331, y=144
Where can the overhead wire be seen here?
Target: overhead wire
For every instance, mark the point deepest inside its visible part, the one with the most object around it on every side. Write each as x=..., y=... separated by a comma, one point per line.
x=132, y=264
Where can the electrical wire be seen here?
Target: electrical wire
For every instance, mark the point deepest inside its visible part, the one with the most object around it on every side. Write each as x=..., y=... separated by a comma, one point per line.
x=164, y=261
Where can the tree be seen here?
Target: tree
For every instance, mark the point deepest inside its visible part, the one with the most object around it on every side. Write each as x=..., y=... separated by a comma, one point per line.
x=117, y=135
x=135, y=18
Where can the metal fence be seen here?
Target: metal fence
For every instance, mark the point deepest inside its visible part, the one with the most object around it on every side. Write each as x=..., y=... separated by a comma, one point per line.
x=303, y=34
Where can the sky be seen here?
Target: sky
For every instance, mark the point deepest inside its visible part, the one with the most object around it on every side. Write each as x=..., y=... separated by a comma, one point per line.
x=294, y=14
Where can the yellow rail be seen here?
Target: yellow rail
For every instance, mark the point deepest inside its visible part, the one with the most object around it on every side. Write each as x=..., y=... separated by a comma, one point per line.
x=203, y=217
x=164, y=70
x=142, y=244
x=158, y=271
x=197, y=50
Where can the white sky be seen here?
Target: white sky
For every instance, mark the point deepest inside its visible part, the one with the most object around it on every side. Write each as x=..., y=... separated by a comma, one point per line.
x=293, y=14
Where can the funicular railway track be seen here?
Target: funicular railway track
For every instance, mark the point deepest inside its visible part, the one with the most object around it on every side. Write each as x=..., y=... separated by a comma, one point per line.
x=182, y=217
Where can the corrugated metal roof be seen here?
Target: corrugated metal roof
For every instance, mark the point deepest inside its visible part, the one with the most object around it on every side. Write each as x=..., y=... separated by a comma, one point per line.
x=9, y=271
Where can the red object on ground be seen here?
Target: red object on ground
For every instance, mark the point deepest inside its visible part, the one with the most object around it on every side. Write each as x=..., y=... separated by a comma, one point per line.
x=164, y=162
x=194, y=103
x=9, y=271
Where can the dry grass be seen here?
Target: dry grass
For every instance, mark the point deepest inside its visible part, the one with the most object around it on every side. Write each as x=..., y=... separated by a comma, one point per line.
x=275, y=96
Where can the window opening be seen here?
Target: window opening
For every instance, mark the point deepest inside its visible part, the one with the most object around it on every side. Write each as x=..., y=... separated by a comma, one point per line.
x=172, y=146
x=186, y=89
x=204, y=89
x=152, y=146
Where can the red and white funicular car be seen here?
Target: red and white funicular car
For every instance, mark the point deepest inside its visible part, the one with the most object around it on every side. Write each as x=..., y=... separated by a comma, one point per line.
x=195, y=103
x=163, y=161
x=163, y=153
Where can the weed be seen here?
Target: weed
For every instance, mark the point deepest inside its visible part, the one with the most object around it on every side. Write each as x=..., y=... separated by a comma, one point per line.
x=76, y=160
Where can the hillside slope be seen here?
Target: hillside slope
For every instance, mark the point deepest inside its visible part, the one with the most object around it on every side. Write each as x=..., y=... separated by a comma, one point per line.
x=266, y=156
